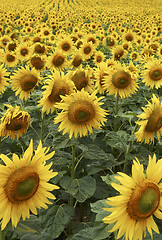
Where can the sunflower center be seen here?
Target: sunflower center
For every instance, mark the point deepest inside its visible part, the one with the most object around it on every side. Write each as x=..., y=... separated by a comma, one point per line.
x=99, y=59
x=21, y=185
x=46, y=33
x=10, y=58
x=58, y=60
x=28, y=82
x=80, y=80
x=81, y=111
x=155, y=74
x=65, y=46
x=37, y=63
x=121, y=79
x=24, y=52
x=59, y=88
x=155, y=121
x=144, y=201
x=87, y=50
x=39, y=49
x=77, y=61
x=129, y=37
x=17, y=123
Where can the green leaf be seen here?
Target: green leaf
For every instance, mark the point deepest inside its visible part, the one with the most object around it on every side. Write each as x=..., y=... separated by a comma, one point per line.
x=55, y=219
x=83, y=188
x=110, y=179
x=98, y=232
x=98, y=207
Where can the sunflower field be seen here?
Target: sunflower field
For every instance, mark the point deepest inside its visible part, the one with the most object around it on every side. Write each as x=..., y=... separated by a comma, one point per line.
x=80, y=120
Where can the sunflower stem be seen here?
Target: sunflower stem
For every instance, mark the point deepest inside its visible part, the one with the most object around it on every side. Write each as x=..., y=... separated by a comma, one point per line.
x=42, y=126
x=72, y=178
x=128, y=150
x=116, y=112
x=2, y=235
x=72, y=172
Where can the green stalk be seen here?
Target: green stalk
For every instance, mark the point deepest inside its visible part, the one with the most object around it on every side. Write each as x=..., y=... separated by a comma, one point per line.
x=116, y=112
x=42, y=126
x=128, y=150
x=2, y=235
x=72, y=172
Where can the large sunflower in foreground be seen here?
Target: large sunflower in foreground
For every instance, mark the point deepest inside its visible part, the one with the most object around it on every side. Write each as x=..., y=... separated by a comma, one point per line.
x=120, y=81
x=14, y=122
x=80, y=113
x=140, y=198
x=151, y=123
x=24, y=81
x=153, y=74
x=24, y=184
x=58, y=85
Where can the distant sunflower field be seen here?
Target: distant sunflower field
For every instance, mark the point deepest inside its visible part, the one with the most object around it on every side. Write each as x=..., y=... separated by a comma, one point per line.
x=80, y=120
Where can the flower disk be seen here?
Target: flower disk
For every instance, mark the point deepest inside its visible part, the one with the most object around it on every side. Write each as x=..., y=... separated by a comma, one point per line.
x=24, y=184
x=140, y=198
x=80, y=113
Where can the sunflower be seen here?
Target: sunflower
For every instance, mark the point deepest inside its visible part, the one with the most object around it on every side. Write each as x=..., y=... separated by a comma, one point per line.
x=65, y=44
x=82, y=79
x=140, y=198
x=10, y=59
x=57, y=60
x=24, y=184
x=99, y=73
x=14, y=122
x=98, y=58
x=24, y=81
x=80, y=113
x=38, y=62
x=87, y=50
x=23, y=51
x=58, y=85
x=120, y=81
x=152, y=74
x=3, y=80
x=39, y=48
x=118, y=52
x=151, y=123
x=76, y=61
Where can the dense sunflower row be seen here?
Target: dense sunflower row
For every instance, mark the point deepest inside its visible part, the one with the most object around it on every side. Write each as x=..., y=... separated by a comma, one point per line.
x=78, y=55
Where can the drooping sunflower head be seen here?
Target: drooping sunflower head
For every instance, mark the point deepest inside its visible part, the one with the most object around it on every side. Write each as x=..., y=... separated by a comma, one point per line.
x=80, y=113
x=81, y=79
x=120, y=81
x=140, y=198
x=59, y=85
x=37, y=62
x=24, y=82
x=14, y=123
x=76, y=61
x=25, y=187
x=151, y=123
